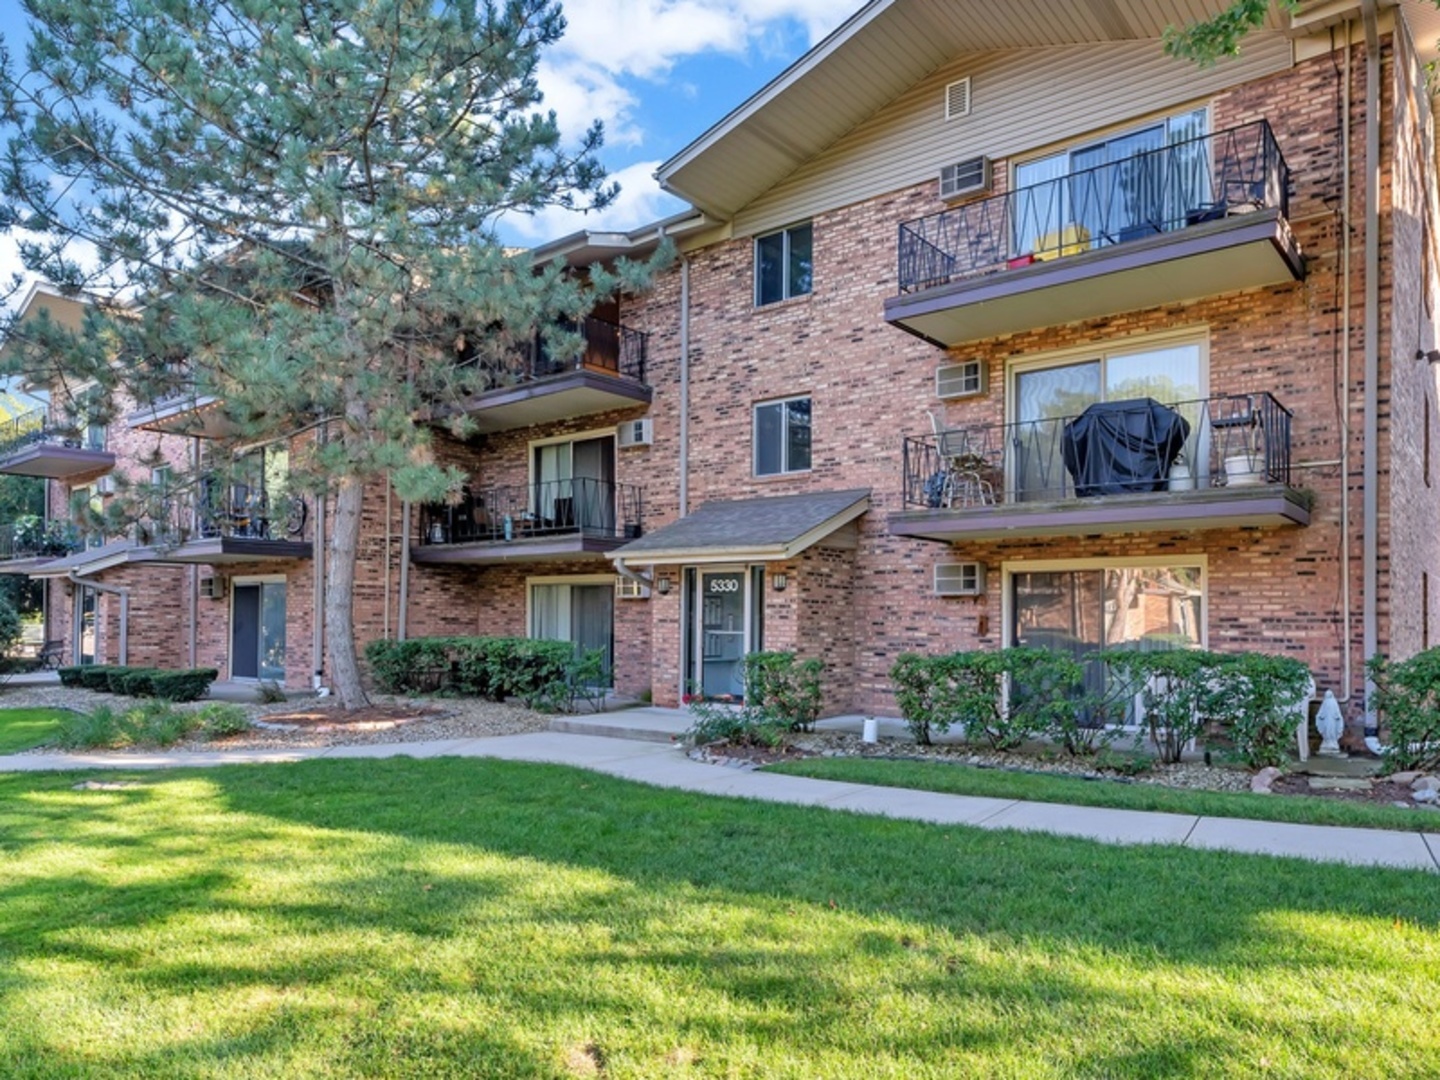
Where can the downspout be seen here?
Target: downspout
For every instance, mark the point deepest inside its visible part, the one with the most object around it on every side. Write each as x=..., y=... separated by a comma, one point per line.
x=193, y=644
x=113, y=590
x=684, y=386
x=401, y=622
x=389, y=538
x=1371, y=506
x=1347, y=669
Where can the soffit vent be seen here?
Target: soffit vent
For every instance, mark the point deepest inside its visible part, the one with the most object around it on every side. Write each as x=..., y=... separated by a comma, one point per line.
x=957, y=99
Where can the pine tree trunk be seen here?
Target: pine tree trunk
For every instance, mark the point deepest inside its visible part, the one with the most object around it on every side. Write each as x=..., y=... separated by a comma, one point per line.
x=344, y=550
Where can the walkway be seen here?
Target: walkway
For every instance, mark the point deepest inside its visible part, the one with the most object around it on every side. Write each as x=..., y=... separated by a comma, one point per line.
x=666, y=766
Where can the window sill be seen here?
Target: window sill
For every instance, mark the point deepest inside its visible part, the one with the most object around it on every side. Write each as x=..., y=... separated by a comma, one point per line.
x=790, y=301
x=771, y=478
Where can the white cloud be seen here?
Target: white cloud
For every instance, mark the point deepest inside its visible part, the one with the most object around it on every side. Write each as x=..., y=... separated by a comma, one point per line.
x=640, y=202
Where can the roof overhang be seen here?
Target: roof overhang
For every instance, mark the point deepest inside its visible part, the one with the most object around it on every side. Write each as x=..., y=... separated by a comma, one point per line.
x=93, y=561
x=590, y=246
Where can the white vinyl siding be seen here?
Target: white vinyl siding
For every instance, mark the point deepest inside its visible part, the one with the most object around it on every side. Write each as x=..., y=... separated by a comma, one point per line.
x=909, y=141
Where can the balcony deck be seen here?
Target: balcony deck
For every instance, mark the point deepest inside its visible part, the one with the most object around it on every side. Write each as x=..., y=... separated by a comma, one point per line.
x=1019, y=480
x=31, y=446
x=578, y=519
x=1192, y=220
x=243, y=529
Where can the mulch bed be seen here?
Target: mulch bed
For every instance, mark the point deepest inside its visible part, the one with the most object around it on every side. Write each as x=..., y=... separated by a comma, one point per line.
x=1380, y=792
x=370, y=718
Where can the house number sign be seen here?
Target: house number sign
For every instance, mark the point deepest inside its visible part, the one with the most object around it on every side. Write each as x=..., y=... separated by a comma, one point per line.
x=719, y=585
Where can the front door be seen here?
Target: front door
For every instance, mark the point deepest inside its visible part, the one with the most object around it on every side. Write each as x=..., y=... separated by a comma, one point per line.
x=721, y=631
x=86, y=603
x=257, y=631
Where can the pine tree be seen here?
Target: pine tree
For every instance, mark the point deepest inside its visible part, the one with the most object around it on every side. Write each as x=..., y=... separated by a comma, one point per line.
x=292, y=205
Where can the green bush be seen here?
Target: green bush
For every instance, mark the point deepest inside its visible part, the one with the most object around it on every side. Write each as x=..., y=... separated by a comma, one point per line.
x=220, y=720
x=10, y=628
x=536, y=672
x=150, y=723
x=186, y=685
x=786, y=689
x=95, y=677
x=1255, y=696
x=1178, y=689
x=967, y=690
x=70, y=676
x=739, y=725
x=1407, y=696
x=99, y=728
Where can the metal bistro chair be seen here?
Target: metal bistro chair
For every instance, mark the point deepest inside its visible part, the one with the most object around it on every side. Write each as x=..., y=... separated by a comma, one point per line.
x=966, y=483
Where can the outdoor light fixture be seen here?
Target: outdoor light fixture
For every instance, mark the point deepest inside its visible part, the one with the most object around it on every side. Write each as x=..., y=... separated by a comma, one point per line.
x=1431, y=355
x=778, y=581
x=662, y=586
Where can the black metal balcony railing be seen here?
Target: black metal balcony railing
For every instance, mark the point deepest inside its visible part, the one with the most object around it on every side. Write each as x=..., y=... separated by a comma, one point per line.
x=33, y=427
x=34, y=538
x=1235, y=441
x=609, y=348
x=1155, y=192
x=233, y=512
x=582, y=506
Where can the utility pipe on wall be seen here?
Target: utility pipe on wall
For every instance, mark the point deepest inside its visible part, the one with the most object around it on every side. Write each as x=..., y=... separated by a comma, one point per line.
x=1370, y=509
x=684, y=385
x=317, y=613
x=1347, y=669
x=401, y=622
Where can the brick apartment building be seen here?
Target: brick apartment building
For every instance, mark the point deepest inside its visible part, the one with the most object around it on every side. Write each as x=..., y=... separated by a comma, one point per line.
x=989, y=326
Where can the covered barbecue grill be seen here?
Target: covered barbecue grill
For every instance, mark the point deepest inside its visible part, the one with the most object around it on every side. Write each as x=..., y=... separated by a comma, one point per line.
x=1115, y=447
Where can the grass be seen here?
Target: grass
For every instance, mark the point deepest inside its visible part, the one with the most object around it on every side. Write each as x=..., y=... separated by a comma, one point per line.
x=25, y=729
x=958, y=779
x=473, y=918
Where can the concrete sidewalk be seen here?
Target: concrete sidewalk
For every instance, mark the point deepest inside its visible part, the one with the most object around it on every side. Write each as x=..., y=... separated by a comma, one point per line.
x=666, y=766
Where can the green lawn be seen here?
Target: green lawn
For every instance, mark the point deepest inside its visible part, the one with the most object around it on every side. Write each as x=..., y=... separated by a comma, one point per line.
x=480, y=919
x=25, y=729
x=958, y=779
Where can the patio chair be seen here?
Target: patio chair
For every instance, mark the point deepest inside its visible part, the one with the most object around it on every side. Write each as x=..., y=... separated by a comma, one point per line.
x=966, y=468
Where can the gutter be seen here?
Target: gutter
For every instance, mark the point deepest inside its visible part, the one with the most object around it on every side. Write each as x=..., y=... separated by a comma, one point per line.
x=401, y=622
x=1370, y=510
x=112, y=590
x=684, y=465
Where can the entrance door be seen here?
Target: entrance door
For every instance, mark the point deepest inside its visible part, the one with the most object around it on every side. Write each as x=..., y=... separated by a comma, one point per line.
x=257, y=631
x=721, y=632
x=85, y=607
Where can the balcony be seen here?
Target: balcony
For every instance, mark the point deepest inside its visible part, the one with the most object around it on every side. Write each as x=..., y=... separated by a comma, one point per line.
x=537, y=388
x=229, y=525
x=1133, y=466
x=1199, y=218
x=30, y=541
x=556, y=519
x=31, y=446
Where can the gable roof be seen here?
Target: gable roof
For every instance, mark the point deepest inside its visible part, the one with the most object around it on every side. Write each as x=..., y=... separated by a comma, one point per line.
x=874, y=56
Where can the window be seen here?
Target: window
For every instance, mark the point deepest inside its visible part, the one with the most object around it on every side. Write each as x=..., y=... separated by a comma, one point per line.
x=580, y=611
x=782, y=437
x=782, y=264
x=573, y=484
x=1044, y=396
x=1118, y=188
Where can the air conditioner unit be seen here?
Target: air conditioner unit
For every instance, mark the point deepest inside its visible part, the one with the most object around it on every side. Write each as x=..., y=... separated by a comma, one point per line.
x=630, y=589
x=960, y=579
x=105, y=485
x=212, y=588
x=635, y=432
x=960, y=380
x=965, y=178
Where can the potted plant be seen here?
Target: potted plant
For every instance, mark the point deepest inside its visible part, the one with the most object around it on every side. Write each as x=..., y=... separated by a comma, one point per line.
x=1244, y=466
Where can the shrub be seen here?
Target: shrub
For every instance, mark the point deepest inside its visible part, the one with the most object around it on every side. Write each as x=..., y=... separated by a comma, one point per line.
x=1255, y=696
x=1177, y=687
x=1407, y=696
x=95, y=677
x=271, y=693
x=1047, y=697
x=99, y=728
x=967, y=689
x=495, y=668
x=156, y=722
x=185, y=685
x=786, y=689
x=70, y=676
x=9, y=627
x=739, y=725
x=417, y=665
x=219, y=720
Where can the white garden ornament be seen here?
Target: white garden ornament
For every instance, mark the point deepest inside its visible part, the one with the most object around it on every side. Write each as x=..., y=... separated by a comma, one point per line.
x=1330, y=723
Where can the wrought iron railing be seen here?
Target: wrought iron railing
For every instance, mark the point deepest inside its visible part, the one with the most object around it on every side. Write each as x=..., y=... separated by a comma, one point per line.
x=582, y=506
x=226, y=511
x=1122, y=448
x=35, y=426
x=608, y=348
x=33, y=537
x=1159, y=191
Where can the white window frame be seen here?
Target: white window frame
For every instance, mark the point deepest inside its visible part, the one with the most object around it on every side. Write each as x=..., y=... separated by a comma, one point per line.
x=787, y=288
x=785, y=470
x=1088, y=139
x=251, y=579
x=557, y=579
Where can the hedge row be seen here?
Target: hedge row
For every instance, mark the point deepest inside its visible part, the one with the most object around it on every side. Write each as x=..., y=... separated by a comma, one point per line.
x=188, y=684
x=538, y=672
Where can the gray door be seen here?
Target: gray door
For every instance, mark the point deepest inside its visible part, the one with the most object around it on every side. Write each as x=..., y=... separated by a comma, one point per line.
x=245, y=633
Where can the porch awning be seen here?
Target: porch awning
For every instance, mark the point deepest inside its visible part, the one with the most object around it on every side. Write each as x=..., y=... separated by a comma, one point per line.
x=768, y=529
x=92, y=560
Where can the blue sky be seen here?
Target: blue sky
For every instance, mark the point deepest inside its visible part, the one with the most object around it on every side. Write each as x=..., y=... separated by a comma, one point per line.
x=657, y=72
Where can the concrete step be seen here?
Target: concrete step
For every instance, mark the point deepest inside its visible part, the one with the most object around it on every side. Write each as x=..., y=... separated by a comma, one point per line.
x=640, y=725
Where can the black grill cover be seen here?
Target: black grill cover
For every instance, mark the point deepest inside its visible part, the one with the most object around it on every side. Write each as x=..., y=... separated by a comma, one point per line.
x=1122, y=446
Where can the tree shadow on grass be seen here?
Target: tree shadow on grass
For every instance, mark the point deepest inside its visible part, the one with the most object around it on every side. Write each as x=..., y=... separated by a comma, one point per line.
x=766, y=925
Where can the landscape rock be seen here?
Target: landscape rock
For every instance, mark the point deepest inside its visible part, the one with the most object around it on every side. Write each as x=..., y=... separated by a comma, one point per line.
x=1425, y=783
x=1401, y=803
x=1407, y=777
x=1261, y=782
x=1426, y=795
x=1339, y=783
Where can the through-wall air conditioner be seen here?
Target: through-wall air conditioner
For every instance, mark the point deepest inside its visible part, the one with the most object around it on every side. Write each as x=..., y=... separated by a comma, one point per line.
x=105, y=485
x=960, y=380
x=630, y=589
x=960, y=579
x=965, y=178
x=635, y=433
x=212, y=588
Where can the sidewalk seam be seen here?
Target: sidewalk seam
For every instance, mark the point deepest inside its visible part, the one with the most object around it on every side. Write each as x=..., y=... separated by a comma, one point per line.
x=1434, y=857
x=1193, y=826
x=980, y=823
